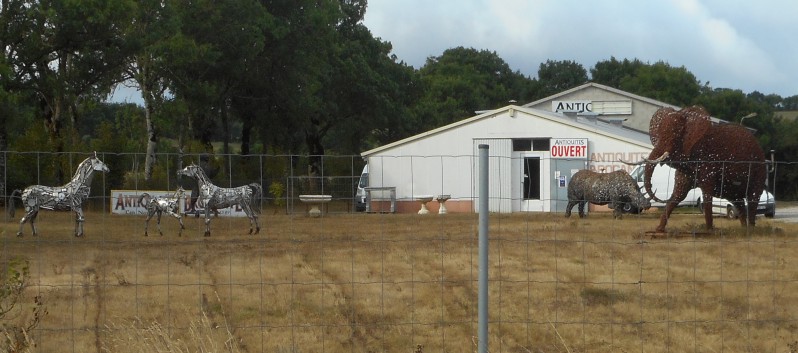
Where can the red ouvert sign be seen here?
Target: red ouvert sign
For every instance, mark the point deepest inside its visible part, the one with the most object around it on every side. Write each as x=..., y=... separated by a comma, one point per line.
x=568, y=148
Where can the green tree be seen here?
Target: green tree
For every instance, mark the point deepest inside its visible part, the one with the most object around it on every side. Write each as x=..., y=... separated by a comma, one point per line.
x=558, y=76
x=210, y=60
x=785, y=148
x=64, y=54
x=789, y=103
x=153, y=31
x=611, y=72
x=660, y=81
x=464, y=80
x=367, y=88
x=321, y=83
x=725, y=103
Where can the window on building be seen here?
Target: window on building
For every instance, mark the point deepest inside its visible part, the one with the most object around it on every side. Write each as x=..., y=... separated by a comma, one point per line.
x=534, y=144
x=522, y=145
x=540, y=144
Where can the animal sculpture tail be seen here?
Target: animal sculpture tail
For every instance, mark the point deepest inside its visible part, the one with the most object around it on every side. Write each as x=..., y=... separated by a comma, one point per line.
x=11, y=208
x=257, y=193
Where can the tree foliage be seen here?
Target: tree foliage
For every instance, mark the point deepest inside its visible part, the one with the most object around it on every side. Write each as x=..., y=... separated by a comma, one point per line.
x=464, y=80
x=277, y=76
x=64, y=53
x=612, y=72
x=662, y=82
x=558, y=76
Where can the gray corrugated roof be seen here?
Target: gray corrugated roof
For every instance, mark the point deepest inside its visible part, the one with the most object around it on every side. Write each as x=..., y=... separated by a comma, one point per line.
x=594, y=125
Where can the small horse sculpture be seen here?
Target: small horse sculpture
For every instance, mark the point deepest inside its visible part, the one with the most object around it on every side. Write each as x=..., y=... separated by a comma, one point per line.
x=69, y=197
x=247, y=196
x=159, y=205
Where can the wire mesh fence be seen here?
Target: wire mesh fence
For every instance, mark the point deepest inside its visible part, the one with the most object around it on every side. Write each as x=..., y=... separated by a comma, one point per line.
x=384, y=282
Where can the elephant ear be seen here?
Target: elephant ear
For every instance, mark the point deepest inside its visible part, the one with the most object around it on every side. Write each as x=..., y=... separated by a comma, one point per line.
x=655, y=125
x=697, y=124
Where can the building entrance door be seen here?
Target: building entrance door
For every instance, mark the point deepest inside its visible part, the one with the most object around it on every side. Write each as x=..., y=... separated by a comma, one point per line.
x=532, y=186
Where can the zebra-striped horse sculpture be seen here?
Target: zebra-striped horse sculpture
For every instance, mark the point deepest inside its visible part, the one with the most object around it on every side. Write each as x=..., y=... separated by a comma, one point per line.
x=159, y=205
x=69, y=197
x=214, y=197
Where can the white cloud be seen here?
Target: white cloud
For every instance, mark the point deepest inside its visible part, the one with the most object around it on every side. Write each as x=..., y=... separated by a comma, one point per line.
x=731, y=44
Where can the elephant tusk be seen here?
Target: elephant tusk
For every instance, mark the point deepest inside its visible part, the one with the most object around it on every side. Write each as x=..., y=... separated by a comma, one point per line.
x=631, y=163
x=657, y=199
x=646, y=160
x=660, y=159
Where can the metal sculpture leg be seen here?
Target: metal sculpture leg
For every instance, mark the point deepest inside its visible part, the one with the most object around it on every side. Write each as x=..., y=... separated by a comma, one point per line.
x=30, y=216
x=207, y=220
x=179, y=219
x=150, y=213
x=79, y=222
x=159, y=222
x=257, y=225
x=253, y=218
x=32, y=221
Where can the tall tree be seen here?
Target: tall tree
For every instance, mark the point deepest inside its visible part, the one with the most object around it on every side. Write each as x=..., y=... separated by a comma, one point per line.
x=558, y=76
x=728, y=104
x=210, y=61
x=65, y=53
x=612, y=72
x=154, y=29
x=323, y=81
x=464, y=80
x=674, y=85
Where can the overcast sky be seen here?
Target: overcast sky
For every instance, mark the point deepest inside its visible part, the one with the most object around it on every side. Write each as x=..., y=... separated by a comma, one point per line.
x=746, y=45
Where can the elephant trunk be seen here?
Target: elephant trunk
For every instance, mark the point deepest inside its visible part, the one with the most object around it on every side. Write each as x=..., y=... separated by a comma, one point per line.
x=649, y=172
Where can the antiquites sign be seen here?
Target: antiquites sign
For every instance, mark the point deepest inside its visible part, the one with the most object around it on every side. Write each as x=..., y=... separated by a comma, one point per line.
x=565, y=148
x=126, y=202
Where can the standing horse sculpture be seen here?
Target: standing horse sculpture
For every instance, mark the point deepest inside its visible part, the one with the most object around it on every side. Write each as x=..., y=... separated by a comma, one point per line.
x=69, y=197
x=214, y=197
x=159, y=205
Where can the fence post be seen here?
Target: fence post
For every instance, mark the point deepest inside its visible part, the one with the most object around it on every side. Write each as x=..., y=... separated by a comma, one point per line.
x=483, y=251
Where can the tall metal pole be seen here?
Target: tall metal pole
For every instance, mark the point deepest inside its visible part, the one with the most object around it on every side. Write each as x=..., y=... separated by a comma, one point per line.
x=483, y=251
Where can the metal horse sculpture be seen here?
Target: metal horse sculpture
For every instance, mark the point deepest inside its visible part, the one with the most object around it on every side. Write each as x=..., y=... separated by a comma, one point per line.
x=247, y=196
x=159, y=205
x=69, y=197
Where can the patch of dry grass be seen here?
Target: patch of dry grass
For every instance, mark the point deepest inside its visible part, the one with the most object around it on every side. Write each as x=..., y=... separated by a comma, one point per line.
x=375, y=282
x=203, y=335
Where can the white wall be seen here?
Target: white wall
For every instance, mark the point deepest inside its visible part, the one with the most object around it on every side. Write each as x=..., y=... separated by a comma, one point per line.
x=445, y=160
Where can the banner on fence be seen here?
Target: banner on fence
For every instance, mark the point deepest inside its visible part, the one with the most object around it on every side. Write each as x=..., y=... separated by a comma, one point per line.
x=126, y=202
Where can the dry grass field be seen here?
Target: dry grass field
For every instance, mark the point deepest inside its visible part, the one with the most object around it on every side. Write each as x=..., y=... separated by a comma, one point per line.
x=405, y=283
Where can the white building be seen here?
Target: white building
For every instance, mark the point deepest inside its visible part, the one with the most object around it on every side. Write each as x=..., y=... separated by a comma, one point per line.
x=534, y=150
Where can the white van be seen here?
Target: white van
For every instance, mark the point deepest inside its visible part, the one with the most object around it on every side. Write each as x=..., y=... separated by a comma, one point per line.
x=360, y=194
x=662, y=182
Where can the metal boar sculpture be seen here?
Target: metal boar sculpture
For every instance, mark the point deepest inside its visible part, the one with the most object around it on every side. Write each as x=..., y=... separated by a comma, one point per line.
x=616, y=189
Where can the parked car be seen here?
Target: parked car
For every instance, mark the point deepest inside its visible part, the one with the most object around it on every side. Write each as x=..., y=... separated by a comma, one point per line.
x=662, y=186
x=767, y=206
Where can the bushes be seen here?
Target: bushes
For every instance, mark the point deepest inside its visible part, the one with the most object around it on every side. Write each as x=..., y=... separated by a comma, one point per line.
x=17, y=321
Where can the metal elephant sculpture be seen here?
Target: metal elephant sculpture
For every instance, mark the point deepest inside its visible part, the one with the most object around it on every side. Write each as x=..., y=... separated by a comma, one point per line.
x=616, y=189
x=724, y=160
